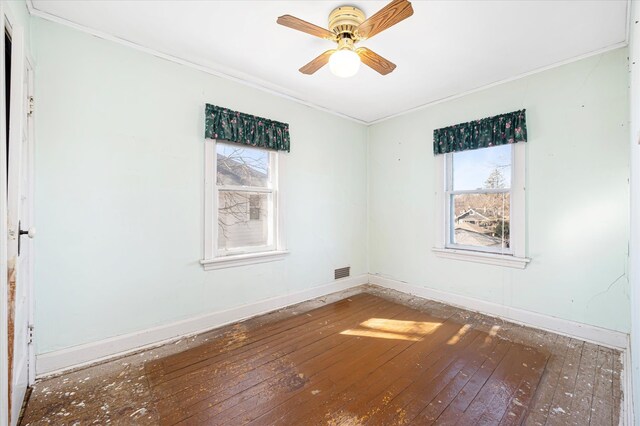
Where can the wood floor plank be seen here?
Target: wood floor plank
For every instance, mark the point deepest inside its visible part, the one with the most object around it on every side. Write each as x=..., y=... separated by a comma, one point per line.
x=362, y=360
x=435, y=378
x=237, y=337
x=617, y=387
x=309, y=366
x=423, y=372
x=235, y=361
x=174, y=382
x=342, y=382
x=521, y=400
x=560, y=409
x=583, y=392
x=370, y=361
x=165, y=370
x=514, y=407
x=549, y=382
x=194, y=401
x=472, y=387
x=354, y=370
x=601, y=408
x=472, y=363
x=359, y=410
x=419, y=354
x=489, y=405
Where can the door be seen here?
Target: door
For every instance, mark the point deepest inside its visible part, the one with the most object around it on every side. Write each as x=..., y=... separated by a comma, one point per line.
x=19, y=220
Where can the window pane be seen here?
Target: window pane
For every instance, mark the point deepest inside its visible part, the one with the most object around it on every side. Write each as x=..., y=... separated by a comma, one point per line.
x=482, y=168
x=241, y=166
x=481, y=220
x=244, y=219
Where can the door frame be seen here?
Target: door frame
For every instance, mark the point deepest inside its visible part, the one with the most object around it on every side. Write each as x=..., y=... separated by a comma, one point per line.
x=30, y=75
x=9, y=24
x=4, y=335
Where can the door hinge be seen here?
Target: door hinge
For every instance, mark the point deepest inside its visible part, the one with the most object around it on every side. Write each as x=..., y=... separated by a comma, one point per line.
x=30, y=334
x=31, y=106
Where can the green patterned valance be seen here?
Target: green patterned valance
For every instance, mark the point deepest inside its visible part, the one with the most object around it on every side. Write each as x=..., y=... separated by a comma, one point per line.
x=499, y=130
x=233, y=126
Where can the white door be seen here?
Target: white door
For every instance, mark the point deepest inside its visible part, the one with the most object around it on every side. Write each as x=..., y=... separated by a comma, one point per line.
x=19, y=220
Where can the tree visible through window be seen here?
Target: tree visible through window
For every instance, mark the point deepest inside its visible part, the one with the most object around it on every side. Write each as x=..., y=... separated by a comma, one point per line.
x=479, y=194
x=245, y=198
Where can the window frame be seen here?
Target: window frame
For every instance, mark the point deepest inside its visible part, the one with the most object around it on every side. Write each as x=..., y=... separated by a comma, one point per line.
x=515, y=256
x=215, y=257
x=450, y=192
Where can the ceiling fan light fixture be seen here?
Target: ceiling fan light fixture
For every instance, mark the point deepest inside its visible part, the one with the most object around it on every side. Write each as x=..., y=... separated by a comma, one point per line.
x=348, y=25
x=344, y=63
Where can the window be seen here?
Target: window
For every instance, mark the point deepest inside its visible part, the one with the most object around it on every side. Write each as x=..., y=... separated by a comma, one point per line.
x=483, y=205
x=479, y=199
x=241, y=216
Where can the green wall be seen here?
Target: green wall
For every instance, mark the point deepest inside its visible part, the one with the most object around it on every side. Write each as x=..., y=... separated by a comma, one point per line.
x=577, y=195
x=120, y=187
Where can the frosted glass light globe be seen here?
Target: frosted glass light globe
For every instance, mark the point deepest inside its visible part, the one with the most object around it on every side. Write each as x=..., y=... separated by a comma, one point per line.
x=344, y=63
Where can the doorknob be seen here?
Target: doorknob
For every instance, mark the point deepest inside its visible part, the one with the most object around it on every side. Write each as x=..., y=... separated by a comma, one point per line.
x=31, y=232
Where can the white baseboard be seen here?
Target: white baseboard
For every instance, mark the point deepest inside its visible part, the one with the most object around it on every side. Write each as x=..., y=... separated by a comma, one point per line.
x=90, y=353
x=601, y=336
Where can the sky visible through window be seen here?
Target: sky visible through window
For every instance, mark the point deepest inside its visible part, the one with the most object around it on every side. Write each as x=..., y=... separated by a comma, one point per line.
x=472, y=168
x=257, y=159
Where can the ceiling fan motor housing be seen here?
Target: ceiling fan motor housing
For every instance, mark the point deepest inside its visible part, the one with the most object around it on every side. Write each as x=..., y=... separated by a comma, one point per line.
x=344, y=20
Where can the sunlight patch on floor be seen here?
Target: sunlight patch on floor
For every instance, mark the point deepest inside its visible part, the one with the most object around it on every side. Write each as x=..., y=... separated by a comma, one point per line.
x=491, y=336
x=380, y=334
x=456, y=338
x=393, y=329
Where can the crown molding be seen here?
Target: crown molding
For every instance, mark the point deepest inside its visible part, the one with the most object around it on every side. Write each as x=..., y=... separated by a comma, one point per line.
x=240, y=78
x=503, y=81
x=30, y=7
x=253, y=82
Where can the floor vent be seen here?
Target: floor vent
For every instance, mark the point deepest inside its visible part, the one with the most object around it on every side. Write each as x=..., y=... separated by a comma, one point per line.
x=342, y=272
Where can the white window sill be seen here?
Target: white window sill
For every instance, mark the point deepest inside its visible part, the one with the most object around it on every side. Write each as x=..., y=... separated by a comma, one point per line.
x=479, y=257
x=242, y=259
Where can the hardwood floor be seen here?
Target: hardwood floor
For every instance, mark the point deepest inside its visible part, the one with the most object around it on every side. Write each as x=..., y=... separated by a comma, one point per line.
x=374, y=359
x=361, y=359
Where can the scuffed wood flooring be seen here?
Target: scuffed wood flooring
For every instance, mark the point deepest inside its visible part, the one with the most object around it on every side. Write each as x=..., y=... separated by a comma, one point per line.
x=368, y=356
x=363, y=359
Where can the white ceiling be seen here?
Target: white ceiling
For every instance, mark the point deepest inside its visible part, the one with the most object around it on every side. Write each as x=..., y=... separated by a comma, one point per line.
x=445, y=48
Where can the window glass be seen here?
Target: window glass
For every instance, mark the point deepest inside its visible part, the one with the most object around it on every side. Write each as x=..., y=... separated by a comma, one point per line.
x=242, y=166
x=479, y=198
x=243, y=219
x=482, y=168
x=241, y=208
x=480, y=220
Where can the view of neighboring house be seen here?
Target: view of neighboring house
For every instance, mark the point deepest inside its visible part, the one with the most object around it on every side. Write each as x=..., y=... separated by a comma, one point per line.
x=235, y=169
x=242, y=215
x=473, y=228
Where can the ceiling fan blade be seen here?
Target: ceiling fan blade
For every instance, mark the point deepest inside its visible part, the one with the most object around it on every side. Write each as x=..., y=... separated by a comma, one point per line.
x=375, y=61
x=305, y=27
x=391, y=14
x=317, y=63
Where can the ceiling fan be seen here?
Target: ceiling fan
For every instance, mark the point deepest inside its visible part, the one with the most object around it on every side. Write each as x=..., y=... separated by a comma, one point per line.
x=348, y=26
